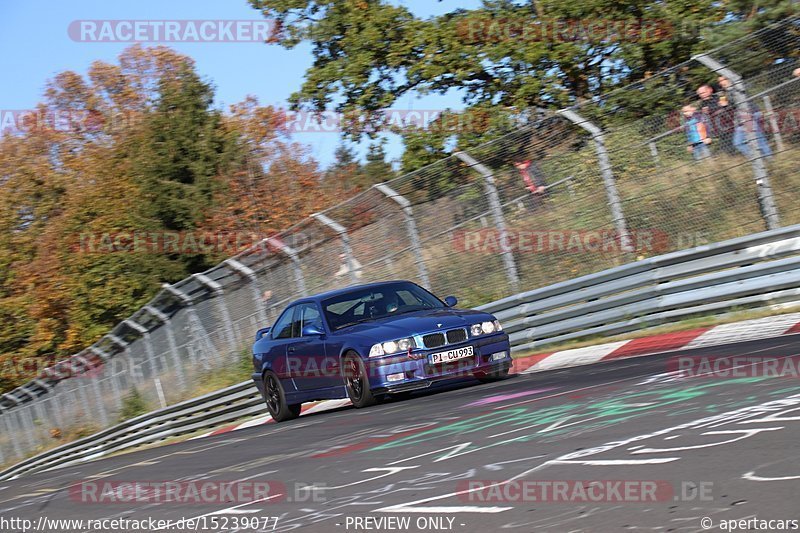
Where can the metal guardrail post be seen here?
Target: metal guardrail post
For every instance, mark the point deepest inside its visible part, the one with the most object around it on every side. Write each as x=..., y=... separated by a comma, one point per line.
x=297, y=268
x=773, y=122
x=125, y=346
x=116, y=340
x=497, y=215
x=27, y=393
x=14, y=399
x=166, y=323
x=95, y=388
x=342, y=232
x=112, y=375
x=26, y=421
x=740, y=100
x=654, y=152
x=411, y=228
x=250, y=274
x=197, y=331
x=13, y=435
x=219, y=293
x=148, y=345
x=607, y=172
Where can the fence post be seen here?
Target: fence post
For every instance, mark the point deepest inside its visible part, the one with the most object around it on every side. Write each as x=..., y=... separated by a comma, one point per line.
x=294, y=257
x=773, y=123
x=13, y=435
x=173, y=346
x=411, y=228
x=607, y=172
x=219, y=296
x=2, y=454
x=654, y=152
x=116, y=391
x=148, y=345
x=197, y=331
x=497, y=215
x=250, y=274
x=342, y=232
x=740, y=100
x=87, y=366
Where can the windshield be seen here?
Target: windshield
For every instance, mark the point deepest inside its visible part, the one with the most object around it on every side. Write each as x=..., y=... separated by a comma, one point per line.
x=362, y=305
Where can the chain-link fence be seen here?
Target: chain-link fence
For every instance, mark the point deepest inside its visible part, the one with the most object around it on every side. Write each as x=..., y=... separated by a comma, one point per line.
x=662, y=165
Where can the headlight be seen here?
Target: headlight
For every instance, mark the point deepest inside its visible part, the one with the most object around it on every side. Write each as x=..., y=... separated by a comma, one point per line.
x=497, y=326
x=487, y=327
x=390, y=347
x=376, y=350
x=475, y=330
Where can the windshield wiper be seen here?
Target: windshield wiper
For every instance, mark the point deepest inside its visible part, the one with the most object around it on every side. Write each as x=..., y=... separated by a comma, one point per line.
x=414, y=308
x=353, y=323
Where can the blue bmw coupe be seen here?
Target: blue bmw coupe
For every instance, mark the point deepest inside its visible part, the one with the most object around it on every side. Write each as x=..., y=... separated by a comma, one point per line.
x=369, y=341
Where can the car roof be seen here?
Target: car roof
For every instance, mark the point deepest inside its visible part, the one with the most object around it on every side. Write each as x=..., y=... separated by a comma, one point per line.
x=337, y=292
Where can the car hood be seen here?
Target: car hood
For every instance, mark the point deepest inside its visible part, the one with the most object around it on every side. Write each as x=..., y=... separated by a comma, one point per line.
x=395, y=327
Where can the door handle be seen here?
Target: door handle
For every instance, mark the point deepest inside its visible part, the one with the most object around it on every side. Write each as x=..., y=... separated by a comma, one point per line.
x=291, y=349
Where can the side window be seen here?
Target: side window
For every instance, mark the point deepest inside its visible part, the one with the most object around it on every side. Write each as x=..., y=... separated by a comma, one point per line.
x=308, y=315
x=283, y=327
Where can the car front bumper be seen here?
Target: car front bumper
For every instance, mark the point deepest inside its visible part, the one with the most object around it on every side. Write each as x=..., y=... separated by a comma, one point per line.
x=419, y=373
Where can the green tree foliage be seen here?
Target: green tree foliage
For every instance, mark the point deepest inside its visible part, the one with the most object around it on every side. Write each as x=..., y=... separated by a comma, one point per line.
x=506, y=58
x=348, y=171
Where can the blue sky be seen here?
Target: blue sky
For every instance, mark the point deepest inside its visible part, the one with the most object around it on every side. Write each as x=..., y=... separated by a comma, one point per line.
x=33, y=36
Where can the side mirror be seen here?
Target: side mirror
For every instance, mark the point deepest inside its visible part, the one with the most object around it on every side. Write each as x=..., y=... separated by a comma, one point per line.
x=263, y=332
x=312, y=331
x=450, y=301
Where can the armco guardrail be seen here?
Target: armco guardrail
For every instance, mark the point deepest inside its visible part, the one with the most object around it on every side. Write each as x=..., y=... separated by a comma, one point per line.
x=208, y=411
x=745, y=272
x=751, y=271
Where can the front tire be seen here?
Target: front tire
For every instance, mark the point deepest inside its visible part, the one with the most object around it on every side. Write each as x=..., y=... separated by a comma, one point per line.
x=357, y=383
x=275, y=398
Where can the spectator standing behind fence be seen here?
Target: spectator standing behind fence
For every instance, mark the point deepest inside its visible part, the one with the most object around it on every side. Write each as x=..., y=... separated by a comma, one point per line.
x=696, y=132
x=720, y=117
x=533, y=177
x=751, y=118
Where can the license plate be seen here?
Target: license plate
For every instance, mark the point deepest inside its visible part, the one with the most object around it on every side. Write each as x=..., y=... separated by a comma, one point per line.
x=451, y=355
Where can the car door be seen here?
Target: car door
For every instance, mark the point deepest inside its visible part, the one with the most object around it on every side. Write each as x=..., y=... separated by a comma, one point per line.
x=311, y=368
x=281, y=338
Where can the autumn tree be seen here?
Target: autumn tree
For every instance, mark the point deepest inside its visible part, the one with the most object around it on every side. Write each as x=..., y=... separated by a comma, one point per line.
x=142, y=149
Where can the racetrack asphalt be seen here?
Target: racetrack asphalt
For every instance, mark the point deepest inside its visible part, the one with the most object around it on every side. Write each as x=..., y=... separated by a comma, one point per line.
x=531, y=453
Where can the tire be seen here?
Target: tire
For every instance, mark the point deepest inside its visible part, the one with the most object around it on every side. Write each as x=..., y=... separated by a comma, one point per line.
x=275, y=398
x=357, y=383
x=495, y=375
